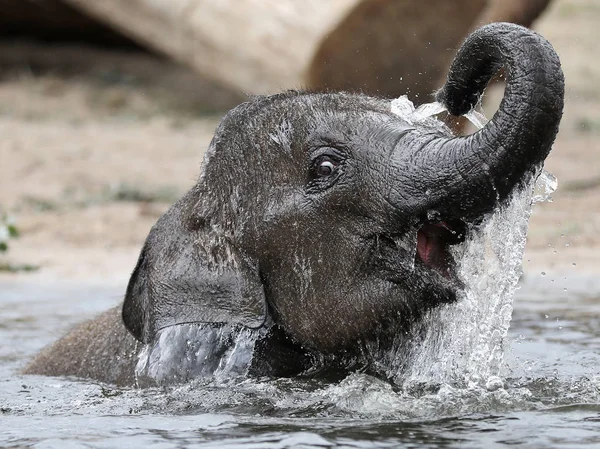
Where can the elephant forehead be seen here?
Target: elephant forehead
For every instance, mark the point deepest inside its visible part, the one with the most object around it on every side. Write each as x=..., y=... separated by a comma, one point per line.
x=276, y=145
x=285, y=123
x=346, y=130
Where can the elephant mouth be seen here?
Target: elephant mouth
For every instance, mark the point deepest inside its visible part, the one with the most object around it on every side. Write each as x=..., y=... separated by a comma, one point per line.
x=433, y=245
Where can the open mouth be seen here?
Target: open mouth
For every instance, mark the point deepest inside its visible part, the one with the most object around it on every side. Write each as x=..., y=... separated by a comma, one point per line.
x=433, y=245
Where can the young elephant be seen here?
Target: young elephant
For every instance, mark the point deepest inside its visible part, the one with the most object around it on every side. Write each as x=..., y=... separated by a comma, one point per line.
x=322, y=221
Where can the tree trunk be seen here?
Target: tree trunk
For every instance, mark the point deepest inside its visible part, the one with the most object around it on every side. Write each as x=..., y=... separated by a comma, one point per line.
x=383, y=47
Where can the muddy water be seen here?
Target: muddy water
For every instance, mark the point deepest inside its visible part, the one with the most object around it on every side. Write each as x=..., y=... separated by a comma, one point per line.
x=549, y=395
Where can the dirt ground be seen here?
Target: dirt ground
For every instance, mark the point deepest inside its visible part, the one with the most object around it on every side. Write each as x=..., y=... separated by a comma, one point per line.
x=96, y=144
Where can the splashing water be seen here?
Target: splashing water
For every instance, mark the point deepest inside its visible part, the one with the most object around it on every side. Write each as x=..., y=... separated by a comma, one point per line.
x=405, y=108
x=188, y=351
x=476, y=118
x=424, y=115
x=545, y=185
x=463, y=343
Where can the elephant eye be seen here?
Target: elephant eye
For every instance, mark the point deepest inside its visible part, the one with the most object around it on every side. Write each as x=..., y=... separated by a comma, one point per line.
x=325, y=166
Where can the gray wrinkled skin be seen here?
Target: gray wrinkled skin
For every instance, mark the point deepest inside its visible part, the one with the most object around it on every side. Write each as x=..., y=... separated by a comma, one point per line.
x=321, y=222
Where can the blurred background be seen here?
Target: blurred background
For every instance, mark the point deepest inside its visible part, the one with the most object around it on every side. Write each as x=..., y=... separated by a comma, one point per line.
x=106, y=108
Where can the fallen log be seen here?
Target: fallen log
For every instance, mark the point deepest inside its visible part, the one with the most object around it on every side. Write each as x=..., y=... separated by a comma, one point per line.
x=385, y=47
x=264, y=46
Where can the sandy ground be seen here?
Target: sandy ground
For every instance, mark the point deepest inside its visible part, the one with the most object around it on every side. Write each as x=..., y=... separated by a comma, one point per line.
x=95, y=146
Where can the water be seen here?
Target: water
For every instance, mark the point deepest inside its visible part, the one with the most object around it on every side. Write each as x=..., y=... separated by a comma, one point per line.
x=464, y=342
x=548, y=397
x=474, y=381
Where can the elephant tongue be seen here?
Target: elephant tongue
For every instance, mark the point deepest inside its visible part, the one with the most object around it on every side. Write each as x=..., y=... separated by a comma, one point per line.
x=432, y=245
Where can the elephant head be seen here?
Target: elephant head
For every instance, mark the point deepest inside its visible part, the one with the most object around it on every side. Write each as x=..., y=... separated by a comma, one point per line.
x=329, y=216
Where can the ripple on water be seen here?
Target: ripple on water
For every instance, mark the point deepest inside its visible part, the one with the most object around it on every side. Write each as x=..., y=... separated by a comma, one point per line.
x=540, y=402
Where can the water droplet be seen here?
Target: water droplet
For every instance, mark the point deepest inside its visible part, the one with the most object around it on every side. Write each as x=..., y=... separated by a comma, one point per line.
x=574, y=264
x=543, y=273
x=565, y=289
x=494, y=383
x=544, y=186
x=427, y=110
x=476, y=118
x=546, y=316
x=433, y=216
x=403, y=107
x=567, y=244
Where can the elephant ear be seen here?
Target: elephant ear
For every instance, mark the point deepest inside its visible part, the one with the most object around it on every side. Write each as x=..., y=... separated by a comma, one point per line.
x=191, y=274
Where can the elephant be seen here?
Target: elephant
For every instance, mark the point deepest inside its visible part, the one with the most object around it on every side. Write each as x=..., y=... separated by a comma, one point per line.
x=322, y=221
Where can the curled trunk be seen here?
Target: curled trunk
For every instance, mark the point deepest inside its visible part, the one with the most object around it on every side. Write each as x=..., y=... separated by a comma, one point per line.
x=469, y=175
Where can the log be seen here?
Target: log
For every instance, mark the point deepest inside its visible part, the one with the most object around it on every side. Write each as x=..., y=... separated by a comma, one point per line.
x=265, y=46
x=384, y=47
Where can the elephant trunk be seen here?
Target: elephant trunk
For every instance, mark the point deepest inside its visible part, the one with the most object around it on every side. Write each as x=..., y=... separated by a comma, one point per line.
x=467, y=176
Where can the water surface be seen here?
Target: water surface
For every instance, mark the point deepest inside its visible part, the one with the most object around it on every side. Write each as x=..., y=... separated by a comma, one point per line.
x=549, y=395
